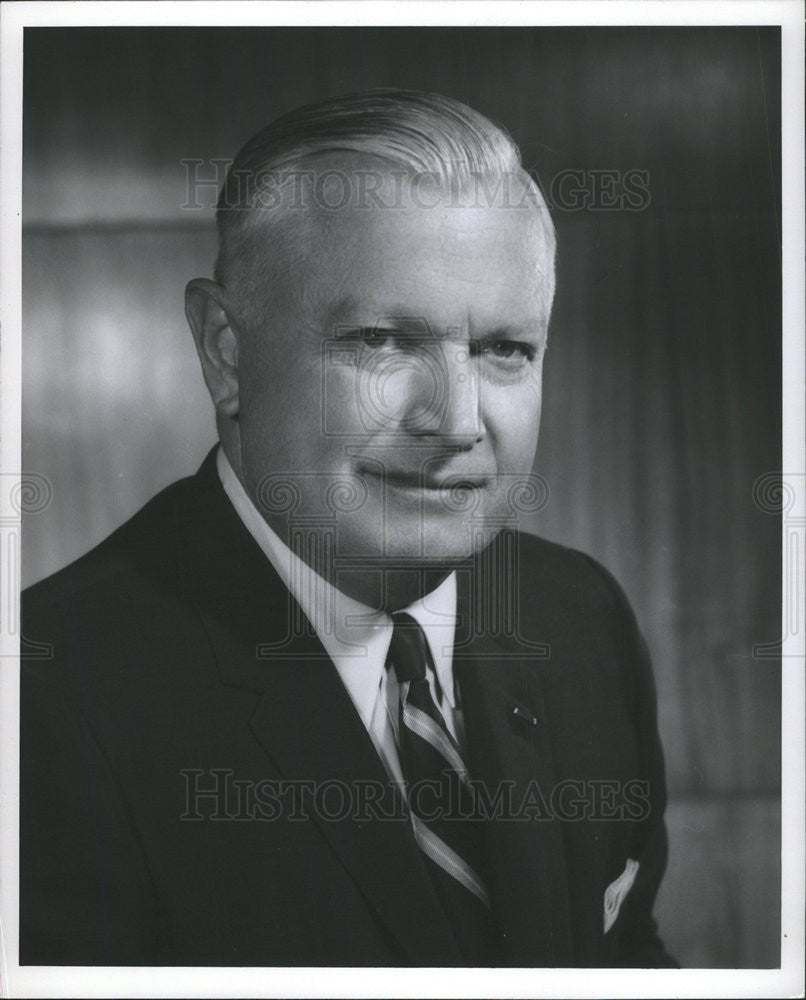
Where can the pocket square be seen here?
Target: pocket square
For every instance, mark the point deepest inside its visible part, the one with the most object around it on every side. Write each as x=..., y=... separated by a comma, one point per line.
x=616, y=892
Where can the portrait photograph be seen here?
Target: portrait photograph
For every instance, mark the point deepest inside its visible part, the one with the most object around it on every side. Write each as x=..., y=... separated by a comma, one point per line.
x=403, y=534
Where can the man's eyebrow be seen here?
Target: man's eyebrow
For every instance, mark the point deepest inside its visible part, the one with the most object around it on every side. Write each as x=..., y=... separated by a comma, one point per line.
x=402, y=327
x=348, y=312
x=513, y=331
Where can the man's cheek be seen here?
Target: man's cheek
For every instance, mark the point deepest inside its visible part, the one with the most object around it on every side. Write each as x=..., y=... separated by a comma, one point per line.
x=515, y=445
x=512, y=413
x=337, y=407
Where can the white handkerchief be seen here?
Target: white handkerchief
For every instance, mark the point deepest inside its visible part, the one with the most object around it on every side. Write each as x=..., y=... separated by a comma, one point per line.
x=616, y=892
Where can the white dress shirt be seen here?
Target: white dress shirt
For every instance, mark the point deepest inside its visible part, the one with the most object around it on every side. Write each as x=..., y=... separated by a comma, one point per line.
x=357, y=637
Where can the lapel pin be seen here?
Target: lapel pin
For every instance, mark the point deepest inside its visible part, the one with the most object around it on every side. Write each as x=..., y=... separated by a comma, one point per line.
x=522, y=713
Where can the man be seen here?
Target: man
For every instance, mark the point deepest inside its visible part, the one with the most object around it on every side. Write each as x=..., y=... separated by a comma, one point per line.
x=322, y=704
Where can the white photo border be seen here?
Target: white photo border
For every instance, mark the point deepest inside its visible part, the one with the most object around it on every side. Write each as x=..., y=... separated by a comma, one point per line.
x=29, y=981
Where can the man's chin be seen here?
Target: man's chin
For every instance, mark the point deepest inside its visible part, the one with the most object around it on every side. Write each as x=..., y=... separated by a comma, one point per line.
x=393, y=576
x=421, y=545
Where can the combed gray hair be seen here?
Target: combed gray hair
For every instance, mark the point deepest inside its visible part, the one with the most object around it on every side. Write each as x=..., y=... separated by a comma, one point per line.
x=419, y=133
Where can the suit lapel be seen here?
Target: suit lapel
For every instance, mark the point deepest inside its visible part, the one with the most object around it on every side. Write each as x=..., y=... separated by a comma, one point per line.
x=509, y=750
x=306, y=722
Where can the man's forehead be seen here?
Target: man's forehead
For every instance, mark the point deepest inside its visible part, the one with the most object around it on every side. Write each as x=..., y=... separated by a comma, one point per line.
x=412, y=230
x=413, y=254
x=422, y=201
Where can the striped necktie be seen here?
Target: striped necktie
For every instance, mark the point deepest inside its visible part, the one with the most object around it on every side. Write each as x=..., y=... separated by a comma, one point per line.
x=439, y=797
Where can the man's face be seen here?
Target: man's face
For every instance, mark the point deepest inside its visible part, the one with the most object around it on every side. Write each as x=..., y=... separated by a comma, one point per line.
x=396, y=386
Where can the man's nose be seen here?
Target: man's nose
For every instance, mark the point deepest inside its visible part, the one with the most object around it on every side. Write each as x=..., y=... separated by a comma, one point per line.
x=443, y=394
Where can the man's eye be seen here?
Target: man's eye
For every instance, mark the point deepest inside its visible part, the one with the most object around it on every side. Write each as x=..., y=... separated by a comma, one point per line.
x=512, y=353
x=377, y=338
x=370, y=336
x=504, y=348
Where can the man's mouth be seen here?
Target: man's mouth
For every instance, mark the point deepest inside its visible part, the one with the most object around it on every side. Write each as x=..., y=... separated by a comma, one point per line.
x=419, y=480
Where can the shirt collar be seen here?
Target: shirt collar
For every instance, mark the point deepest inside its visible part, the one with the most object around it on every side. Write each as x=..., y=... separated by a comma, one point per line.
x=355, y=636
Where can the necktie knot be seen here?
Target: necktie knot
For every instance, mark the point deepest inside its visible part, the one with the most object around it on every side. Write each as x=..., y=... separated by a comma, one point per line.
x=408, y=650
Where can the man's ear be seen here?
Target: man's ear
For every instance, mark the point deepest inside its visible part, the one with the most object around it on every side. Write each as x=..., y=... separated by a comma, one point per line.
x=216, y=342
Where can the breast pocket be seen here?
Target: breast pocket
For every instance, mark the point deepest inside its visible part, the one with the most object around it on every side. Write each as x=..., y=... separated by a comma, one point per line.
x=617, y=891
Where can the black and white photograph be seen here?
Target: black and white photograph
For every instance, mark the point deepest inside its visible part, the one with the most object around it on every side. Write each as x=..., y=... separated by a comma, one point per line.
x=403, y=536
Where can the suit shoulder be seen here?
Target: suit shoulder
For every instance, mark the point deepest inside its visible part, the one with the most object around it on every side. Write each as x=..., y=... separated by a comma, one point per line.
x=121, y=619
x=139, y=549
x=568, y=600
x=571, y=576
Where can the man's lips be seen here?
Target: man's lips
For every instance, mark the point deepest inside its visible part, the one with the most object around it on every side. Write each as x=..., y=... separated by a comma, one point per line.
x=418, y=480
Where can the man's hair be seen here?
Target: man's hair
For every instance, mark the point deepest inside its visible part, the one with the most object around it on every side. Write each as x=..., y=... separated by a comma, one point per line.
x=418, y=134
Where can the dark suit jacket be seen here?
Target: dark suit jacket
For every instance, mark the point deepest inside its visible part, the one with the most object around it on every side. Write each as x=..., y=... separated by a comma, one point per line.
x=159, y=666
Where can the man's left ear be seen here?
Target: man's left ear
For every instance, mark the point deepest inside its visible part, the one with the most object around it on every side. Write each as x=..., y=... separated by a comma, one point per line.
x=216, y=343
